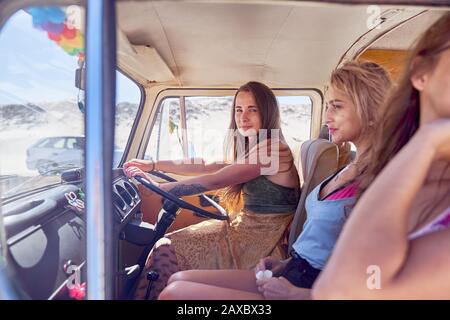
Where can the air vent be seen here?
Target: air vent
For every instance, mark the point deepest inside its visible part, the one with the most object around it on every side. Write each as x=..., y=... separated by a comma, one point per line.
x=125, y=195
x=131, y=190
x=120, y=204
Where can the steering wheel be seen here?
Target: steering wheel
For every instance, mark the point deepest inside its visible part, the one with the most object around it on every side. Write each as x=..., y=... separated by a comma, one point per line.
x=223, y=215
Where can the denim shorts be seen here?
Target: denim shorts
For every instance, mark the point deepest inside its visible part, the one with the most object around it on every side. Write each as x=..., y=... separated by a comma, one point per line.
x=299, y=272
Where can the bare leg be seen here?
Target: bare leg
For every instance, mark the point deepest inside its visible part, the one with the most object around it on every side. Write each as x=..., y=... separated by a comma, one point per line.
x=185, y=290
x=163, y=260
x=243, y=280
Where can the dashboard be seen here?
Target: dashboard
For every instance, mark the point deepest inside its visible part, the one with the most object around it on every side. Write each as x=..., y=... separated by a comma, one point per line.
x=46, y=233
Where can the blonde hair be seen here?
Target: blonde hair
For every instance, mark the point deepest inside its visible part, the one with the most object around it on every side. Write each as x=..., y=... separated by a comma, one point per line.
x=367, y=84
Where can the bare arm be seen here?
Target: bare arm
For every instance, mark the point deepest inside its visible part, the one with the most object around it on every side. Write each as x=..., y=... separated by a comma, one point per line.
x=189, y=167
x=186, y=167
x=376, y=233
x=230, y=175
x=270, y=155
x=262, y=160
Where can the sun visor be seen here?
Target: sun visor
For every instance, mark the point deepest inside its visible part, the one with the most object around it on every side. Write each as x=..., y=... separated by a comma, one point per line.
x=143, y=62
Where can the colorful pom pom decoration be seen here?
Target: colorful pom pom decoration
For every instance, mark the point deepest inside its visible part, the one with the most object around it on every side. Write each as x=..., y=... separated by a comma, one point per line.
x=54, y=21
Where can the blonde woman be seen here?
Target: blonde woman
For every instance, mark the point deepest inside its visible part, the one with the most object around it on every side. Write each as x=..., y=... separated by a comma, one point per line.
x=396, y=244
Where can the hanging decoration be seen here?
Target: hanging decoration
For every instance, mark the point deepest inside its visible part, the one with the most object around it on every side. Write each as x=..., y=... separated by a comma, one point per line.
x=60, y=29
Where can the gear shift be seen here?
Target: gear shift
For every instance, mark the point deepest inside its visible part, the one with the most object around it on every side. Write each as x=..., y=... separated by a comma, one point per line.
x=151, y=277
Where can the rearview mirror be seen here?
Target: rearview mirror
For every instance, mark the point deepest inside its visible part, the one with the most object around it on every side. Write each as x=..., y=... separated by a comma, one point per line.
x=79, y=78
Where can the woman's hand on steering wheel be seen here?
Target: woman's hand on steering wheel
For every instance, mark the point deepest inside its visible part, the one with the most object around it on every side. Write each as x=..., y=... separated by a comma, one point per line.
x=133, y=171
x=144, y=165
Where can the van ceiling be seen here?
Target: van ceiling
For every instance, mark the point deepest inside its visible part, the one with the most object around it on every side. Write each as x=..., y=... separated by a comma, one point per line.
x=226, y=43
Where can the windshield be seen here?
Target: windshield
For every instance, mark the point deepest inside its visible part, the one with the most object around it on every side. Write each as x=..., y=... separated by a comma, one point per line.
x=41, y=123
x=41, y=102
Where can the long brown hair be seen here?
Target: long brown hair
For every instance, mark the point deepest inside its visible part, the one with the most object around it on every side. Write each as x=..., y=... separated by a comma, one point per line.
x=367, y=84
x=401, y=117
x=270, y=119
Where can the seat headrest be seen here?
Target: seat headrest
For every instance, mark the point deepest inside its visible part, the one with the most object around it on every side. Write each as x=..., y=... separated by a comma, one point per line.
x=311, y=152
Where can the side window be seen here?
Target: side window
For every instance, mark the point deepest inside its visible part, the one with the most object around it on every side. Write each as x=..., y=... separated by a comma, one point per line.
x=41, y=143
x=296, y=115
x=48, y=143
x=167, y=134
x=72, y=143
x=59, y=143
x=128, y=98
x=39, y=104
x=207, y=122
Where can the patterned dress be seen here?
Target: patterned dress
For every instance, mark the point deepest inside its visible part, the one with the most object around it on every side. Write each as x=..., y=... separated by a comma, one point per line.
x=254, y=233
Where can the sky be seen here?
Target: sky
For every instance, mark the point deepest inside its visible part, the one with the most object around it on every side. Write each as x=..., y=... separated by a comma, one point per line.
x=36, y=69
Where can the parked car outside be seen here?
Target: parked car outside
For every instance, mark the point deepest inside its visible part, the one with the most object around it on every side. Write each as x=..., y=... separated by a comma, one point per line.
x=55, y=154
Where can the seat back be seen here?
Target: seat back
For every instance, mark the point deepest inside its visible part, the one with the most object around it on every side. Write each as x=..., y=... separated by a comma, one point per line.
x=318, y=159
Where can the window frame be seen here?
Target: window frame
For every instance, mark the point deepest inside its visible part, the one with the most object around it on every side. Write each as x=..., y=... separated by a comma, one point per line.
x=314, y=94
